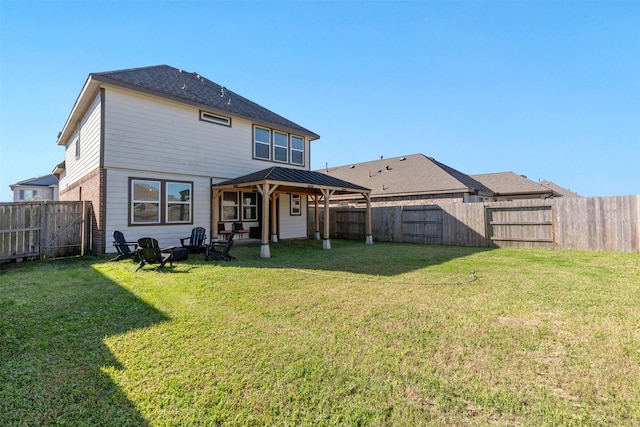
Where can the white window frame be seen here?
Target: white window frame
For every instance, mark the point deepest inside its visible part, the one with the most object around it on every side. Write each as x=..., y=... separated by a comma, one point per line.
x=228, y=204
x=252, y=205
x=206, y=116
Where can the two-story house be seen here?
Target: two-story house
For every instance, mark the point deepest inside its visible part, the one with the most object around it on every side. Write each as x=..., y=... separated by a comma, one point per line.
x=148, y=146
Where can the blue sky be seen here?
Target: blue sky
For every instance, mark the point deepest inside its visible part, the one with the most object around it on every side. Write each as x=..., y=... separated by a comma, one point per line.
x=547, y=89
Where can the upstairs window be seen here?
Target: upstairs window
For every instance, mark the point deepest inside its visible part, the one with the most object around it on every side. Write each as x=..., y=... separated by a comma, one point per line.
x=280, y=147
x=277, y=146
x=262, y=143
x=215, y=118
x=297, y=150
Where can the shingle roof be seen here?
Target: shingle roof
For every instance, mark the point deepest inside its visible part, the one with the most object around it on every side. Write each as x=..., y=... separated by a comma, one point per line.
x=41, y=181
x=558, y=190
x=294, y=176
x=192, y=88
x=510, y=183
x=406, y=175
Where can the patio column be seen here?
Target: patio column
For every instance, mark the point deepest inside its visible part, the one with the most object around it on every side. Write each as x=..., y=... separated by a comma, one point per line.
x=326, y=243
x=316, y=218
x=274, y=219
x=215, y=214
x=265, y=251
x=369, y=238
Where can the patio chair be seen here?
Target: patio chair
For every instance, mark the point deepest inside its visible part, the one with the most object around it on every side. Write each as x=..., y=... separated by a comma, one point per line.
x=222, y=231
x=220, y=250
x=196, y=242
x=238, y=228
x=150, y=253
x=125, y=249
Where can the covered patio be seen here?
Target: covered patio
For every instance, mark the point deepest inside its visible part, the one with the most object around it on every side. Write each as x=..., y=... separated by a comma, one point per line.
x=273, y=182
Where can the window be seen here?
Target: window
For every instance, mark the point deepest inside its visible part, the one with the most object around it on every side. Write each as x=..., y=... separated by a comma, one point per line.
x=214, y=118
x=160, y=202
x=280, y=147
x=262, y=143
x=229, y=206
x=233, y=203
x=297, y=150
x=295, y=205
x=28, y=194
x=249, y=207
x=178, y=202
x=145, y=202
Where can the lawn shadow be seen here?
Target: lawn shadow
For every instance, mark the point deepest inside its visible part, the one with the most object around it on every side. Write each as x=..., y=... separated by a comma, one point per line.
x=380, y=259
x=54, y=316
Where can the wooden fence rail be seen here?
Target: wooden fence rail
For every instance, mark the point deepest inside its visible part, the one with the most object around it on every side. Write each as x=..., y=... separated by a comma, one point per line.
x=599, y=224
x=38, y=230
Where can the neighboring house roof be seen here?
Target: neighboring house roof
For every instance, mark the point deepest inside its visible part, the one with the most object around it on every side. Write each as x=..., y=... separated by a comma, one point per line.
x=190, y=88
x=296, y=178
x=414, y=174
x=510, y=184
x=558, y=190
x=41, y=181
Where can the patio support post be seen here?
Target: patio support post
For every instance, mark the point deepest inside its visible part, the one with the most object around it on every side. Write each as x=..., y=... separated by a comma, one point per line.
x=215, y=207
x=326, y=243
x=265, y=251
x=369, y=238
x=274, y=219
x=316, y=218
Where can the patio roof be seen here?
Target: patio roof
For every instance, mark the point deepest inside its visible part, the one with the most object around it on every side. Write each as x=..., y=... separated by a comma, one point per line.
x=277, y=180
x=298, y=180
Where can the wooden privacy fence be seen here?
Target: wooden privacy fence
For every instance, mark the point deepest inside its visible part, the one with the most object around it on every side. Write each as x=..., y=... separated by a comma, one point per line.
x=38, y=230
x=599, y=223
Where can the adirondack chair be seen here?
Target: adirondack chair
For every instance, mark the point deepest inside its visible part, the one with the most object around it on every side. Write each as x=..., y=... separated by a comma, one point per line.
x=220, y=250
x=150, y=253
x=125, y=249
x=196, y=242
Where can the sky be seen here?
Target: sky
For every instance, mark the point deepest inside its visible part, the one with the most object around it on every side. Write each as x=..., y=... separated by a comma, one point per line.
x=546, y=89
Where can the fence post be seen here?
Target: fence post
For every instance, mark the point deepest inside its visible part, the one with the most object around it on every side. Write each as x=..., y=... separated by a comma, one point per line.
x=43, y=232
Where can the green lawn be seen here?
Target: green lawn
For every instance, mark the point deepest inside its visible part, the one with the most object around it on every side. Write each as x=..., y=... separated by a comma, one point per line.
x=383, y=334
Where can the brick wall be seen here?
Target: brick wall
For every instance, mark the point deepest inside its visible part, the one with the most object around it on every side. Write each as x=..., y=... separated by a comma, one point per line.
x=91, y=188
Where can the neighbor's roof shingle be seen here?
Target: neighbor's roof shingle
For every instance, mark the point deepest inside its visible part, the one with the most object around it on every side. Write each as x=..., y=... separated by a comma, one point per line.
x=405, y=175
x=41, y=181
x=510, y=183
x=192, y=88
x=564, y=192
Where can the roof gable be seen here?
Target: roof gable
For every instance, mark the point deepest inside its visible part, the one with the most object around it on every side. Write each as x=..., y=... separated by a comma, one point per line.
x=192, y=88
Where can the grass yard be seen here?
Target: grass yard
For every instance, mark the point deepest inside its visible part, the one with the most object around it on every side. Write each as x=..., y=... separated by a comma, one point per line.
x=383, y=334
